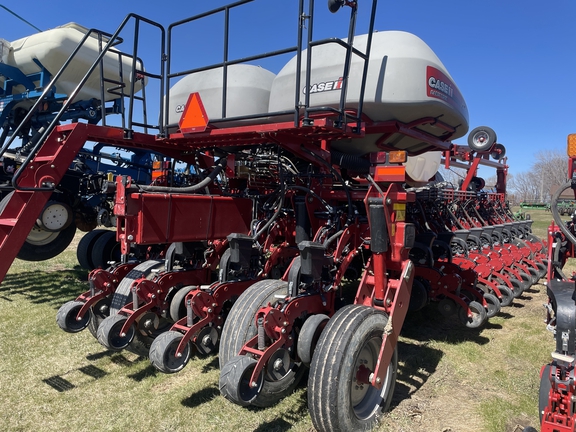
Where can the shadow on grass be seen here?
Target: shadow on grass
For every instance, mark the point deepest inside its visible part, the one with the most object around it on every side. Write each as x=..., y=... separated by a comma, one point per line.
x=213, y=365
x=286, y=420
x=201, y=396
x=428, y=324
x=417, y=363
x=43, y=287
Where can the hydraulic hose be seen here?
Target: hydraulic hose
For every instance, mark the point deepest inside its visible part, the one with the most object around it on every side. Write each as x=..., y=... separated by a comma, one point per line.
x=220, y=164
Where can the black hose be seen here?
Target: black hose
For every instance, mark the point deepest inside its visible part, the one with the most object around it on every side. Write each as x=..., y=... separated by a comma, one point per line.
x=351, y=162
x=220, y=164
x=560, y=223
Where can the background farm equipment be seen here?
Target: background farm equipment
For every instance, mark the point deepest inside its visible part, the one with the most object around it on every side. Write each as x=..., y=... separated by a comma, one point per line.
x=317, y=179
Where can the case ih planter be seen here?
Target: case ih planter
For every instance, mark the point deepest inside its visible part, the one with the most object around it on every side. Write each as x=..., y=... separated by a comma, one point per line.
x=294, y=182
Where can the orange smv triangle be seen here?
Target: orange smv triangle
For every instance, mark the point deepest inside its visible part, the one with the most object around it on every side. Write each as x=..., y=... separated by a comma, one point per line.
x=194, y=117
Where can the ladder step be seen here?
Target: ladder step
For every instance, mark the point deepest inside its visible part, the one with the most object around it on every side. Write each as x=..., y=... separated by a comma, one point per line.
x=10, y=222
x=44, y=159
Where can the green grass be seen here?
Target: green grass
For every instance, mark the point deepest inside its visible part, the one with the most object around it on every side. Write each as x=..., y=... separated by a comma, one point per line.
x=450, y=378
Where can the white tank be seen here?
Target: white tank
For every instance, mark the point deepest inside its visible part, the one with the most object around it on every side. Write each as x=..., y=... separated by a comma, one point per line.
x=423, y=167
x=53, y=47
x=406, y=82
x=247, y=92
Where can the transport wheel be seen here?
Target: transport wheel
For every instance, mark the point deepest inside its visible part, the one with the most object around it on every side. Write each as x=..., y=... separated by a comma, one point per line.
x=98, y=313
x=41, y=245
x=109, y=333
x=481, y=138
x=240, y=326
x=309, y=335
x=178, y=305
x=66, y=317
x=544, y=392
x=85, y=246
x=140, y=343
x=235, y=381
x=493, y=305
x=478, y=318
x=106, y=249
x=163, y=352
x=337, y=399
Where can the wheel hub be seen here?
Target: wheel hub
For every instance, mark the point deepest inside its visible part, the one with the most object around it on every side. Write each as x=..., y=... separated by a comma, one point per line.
x=279, y=365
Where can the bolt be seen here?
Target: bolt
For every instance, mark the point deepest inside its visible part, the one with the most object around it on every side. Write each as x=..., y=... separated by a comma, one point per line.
x=209, y=310
x=206, y=340
x=283, y=331
x=130, y=237
x=178, y=355
x=285, y=323
x=52, y=166
x=148, y=324
x=378, y=380
x=153, y=296
x=122, y=334
x=254, y=384
x=214, y=304
x=278, y=364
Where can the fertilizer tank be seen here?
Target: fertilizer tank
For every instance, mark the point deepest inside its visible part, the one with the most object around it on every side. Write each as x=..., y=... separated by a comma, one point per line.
x=53, y=47
x=406, y=82
x=247, y=92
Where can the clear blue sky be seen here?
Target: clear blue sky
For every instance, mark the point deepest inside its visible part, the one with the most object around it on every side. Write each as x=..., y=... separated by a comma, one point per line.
x=514, y=61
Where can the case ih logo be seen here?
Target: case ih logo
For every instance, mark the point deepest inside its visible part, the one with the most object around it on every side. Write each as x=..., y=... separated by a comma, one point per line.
x=325, y=86
x=439, y=86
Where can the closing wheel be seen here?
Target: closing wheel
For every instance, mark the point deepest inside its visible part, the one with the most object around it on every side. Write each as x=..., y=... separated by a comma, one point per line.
x=507, y=295
x=99, y=312
x=478, y=318
x=544, y=392
x=338, y=398
x=178, y=305
x=481, y=138
x=163, y=352
x=66, y=317
x=542, y=270
x=109, y=333
x=309, y=335
x=85, y=247
x=123, y=295
x=235, y=382
x=447, y=307
x=525, y=283
x=493, y=305
x=240, y=327
x=207, y=340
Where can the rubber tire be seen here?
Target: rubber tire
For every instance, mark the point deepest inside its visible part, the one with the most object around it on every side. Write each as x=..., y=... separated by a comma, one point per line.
x=31, y=252
x=163, y=349
x=493, y=305
x=97, y=316
x=479, y=317
x=486, y=131
x=332, y=371
x=105, y=249
x=109, y=333
x=177, y=304
x=123, y=295
x=309, y=335
x=85, y=248
x=544, y=391
x=507, y=295
x=234, y=381
x=66, y=317
x=240, y=326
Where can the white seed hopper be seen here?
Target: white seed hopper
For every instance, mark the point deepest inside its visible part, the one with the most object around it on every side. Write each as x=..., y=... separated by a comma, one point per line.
x=406, y=82
x=53, y=47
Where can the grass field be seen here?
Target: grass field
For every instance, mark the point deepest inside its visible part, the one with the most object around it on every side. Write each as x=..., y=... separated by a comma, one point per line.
x=450, y=378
